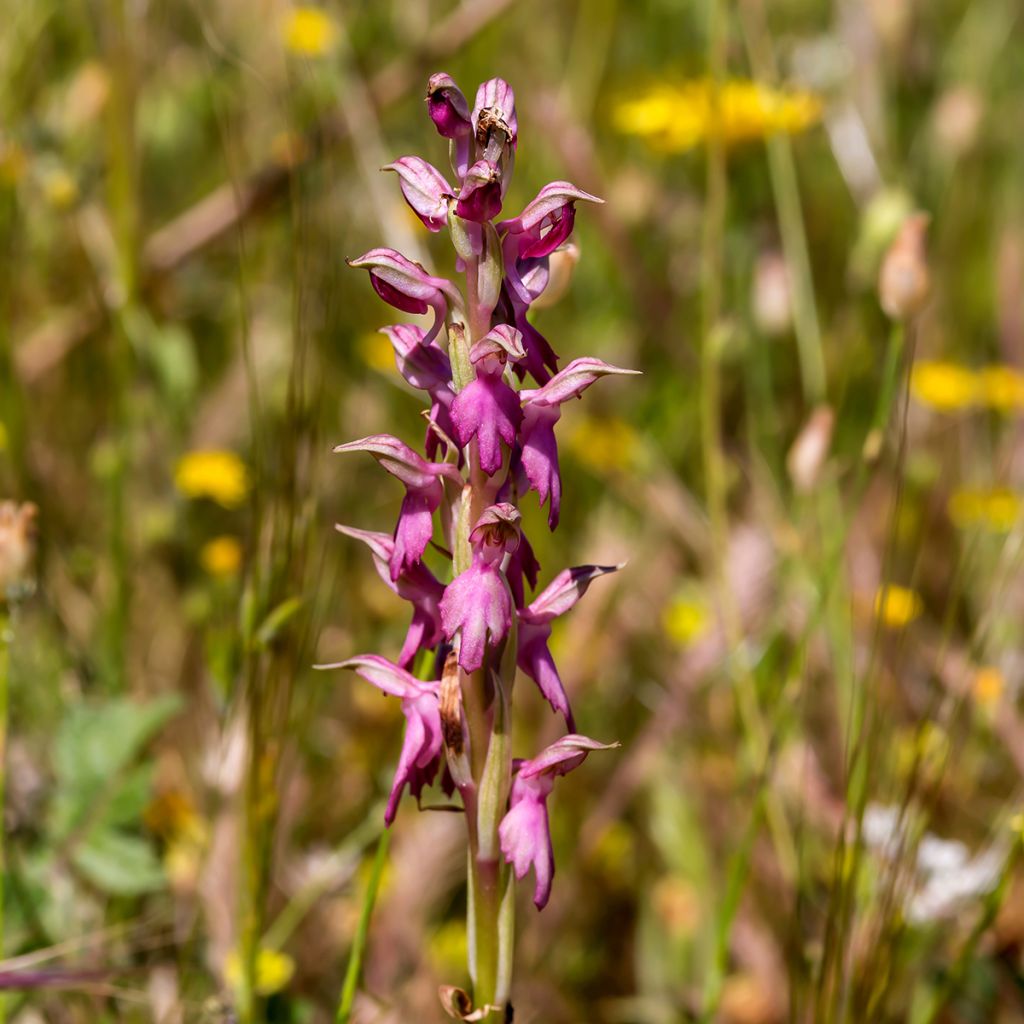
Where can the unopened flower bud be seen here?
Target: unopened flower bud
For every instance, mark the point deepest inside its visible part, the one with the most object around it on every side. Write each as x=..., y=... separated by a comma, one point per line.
x=17, y=530
x=447, y=106
x=810, y=450
x=904, y=281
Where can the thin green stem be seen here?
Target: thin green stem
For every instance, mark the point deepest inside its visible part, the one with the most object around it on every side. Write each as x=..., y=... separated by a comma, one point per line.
x=5, y=667
x=786, y=193
x=755, y=732
x=355, y=958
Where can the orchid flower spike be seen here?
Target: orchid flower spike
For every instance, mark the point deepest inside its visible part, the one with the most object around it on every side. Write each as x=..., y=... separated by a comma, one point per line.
x=498, y=439
x=541, y=411
x=421, y=745
x=524, y=832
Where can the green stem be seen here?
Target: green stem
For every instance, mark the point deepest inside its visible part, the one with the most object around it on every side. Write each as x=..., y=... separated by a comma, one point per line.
x=485, y=701
x=755, y=732
x=786, y=193
x=123, y=199
x=355, y=959
x=5, y=666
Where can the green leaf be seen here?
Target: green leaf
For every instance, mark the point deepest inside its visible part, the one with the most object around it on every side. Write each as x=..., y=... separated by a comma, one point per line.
x=94, y=745
x=272, y=625
x=118, y=863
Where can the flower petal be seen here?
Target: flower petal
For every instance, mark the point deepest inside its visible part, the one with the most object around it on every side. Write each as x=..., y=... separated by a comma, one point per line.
x=573, y=381
x=425, y=190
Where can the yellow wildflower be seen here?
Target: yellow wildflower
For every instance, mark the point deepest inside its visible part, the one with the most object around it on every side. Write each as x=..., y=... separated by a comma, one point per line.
x=603, y=443
x=996, y=510
x=685, y=619
x=60, y=189
x=310, y=32
x=897, y=606
x=944, y=386
x=1002, y=388
x=679, y=117
x=221, y=556
x=988, y=686
x=218, y=475
x=377, y=352
x=274, y=970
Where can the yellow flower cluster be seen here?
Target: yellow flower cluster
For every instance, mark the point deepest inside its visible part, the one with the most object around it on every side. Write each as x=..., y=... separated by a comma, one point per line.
x=218, y=475
x=221, y=557
x=950, y=387
x=309, y=32
x=274, y=970
x=685, y=619
x=896, y=606
x=996, y=511
x=988, y=686
x=674, y=118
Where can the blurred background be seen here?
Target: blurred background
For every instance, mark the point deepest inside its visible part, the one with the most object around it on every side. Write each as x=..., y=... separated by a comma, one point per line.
x=813, y=658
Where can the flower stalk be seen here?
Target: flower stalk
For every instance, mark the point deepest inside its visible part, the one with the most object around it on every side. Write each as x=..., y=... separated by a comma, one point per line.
x=490, y=441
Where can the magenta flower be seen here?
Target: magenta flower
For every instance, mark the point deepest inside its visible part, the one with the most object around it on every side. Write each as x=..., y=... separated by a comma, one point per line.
x=447, y=107
x=407, y=286
x=477, y=604
x=449, y=111
x=425, y=190
x=541, y=411
x=423, y=494
x=498, y=440
x=421, y=745
x=487, y=408
x=547, y=221
x=533, y=656
x=416, y=584
x=524, y=832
